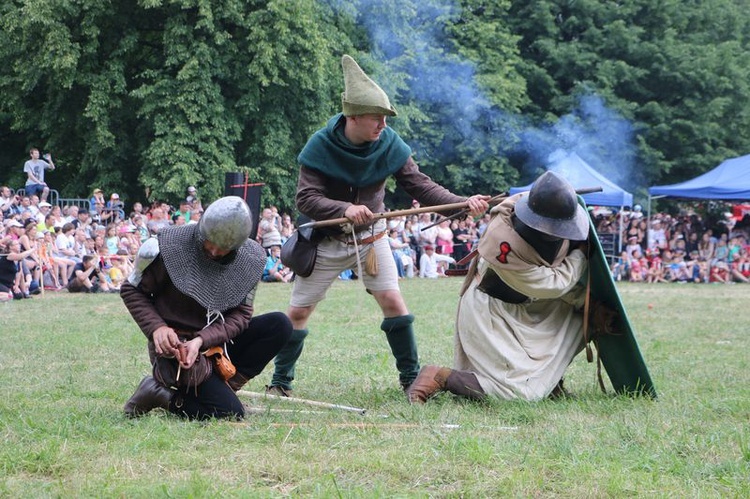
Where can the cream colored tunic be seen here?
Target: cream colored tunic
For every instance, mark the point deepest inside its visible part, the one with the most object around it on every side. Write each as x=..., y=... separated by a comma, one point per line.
x=520, y=350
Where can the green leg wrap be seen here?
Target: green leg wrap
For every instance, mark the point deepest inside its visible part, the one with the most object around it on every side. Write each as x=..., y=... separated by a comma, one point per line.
x=400, y=334
x=286, y=359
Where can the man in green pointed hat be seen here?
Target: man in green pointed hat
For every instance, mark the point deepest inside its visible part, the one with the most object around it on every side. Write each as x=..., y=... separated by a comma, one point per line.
x=343, y=170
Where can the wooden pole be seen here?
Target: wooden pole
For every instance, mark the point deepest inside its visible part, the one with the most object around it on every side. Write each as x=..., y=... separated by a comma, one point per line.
x=388, y=214
x=314, y=403
x=463, y=206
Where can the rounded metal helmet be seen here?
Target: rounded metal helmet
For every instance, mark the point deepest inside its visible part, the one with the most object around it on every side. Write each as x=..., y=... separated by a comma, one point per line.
x=552, y=207
x=227, y=222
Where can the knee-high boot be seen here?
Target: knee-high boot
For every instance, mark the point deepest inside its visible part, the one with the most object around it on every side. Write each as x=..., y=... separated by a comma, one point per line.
x=287, y=358
x=400, y=334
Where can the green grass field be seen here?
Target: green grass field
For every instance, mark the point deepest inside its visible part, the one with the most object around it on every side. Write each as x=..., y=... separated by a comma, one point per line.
x=69, y=362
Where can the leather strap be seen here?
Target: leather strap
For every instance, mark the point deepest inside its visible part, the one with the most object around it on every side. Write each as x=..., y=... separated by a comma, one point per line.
x=586, y=339
x=366, y=240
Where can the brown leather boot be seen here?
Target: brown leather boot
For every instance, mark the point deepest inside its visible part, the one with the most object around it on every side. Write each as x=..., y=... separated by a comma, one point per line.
x=465, y=384
x=278, y=391
x=149, y=395
x=430, y=381
x=237, y=381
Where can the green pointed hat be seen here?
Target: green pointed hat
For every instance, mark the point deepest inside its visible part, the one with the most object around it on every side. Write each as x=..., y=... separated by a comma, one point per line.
x=361, y=94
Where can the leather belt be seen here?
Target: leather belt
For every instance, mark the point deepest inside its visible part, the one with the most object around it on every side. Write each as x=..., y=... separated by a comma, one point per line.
x=365, y=240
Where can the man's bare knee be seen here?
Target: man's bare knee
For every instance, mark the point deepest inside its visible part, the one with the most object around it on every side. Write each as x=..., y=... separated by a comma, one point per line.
x=299, y=315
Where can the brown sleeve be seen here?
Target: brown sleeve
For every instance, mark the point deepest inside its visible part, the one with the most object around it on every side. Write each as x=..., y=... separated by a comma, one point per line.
x=320, y=197
x=422, y=188
x=139, y=299
x=236, y=320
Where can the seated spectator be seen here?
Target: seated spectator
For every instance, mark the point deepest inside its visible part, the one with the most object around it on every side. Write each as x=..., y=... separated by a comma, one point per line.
x=721, y=251
x=120, y=268
x=706, y=247
x=638, y=267
x=111, y=239
x=401, y=254
x=87, y=278
x=79, y=243
x=9, y=202
x=195, y=217
x=65, y=243
x=192, y=193
x=742, y=263
x=10, y=277
x=621, y=267
x=719, y=272
x=28, y=241
x=432, y=265
x=137, y=209
x=275, y=271
x=61, y=268
x=23, y=286
x=733, y=247
x=57, y=217
x=6, y=198
x=655, y=269
x=679, y=269
x=116, y=208
x=178, y=219
x=139, y=224
x=97, y=197
x=83, y=222
x=14, y=229
x=183, y=210
x=268, y=233
x=34, y=206
x=25, y=205
x=50, y=269
x=34, y=169
x=159, y=220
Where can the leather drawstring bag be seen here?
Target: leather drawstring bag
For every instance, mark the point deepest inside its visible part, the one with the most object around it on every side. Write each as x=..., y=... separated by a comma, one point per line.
x=221, y=363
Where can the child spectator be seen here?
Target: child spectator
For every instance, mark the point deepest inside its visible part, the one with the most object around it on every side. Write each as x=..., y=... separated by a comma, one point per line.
x=621, y=267
x=655, y=268
x=638, y=266
x=274, y=270
x=719, y=272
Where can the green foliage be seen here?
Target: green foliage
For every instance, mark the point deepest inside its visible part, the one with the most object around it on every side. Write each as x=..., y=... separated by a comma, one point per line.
x=678, y=70
x=148, y=96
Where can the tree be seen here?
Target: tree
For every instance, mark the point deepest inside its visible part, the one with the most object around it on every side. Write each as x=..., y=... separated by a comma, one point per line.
x=678, y=70
x=151, y=96
x=450, y=71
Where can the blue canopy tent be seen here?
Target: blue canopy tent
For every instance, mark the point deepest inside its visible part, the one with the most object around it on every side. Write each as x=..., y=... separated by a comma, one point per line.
x=580, y=174
x=730, y=181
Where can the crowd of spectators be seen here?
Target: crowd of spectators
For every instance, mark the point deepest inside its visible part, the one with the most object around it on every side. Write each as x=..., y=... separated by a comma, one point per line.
x=682, y=248
x=424, y=245
x=64, y=247
x=46, y=247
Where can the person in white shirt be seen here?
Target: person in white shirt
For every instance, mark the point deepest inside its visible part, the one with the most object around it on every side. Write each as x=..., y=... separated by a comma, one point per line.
x=432, y=265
